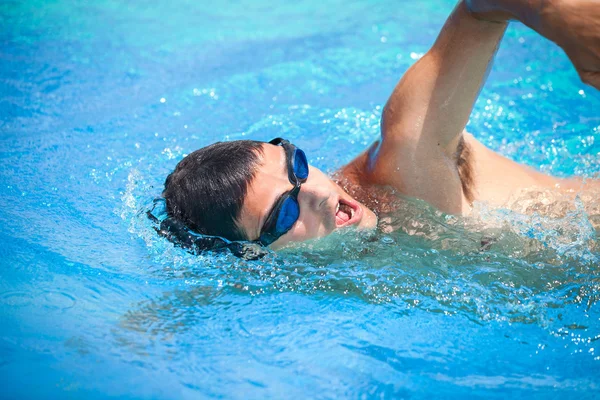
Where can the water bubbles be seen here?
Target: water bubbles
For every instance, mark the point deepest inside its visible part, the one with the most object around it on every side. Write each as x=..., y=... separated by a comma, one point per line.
x=128, y=197
x=210, y=92
x=163, y=100
x=387, y=240
x=172, y=153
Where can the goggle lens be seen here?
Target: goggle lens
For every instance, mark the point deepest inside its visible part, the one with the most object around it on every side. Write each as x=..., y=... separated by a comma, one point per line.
x=300, y=164
x=288, y=215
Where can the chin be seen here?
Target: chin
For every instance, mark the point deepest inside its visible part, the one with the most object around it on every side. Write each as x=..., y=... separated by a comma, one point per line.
x=369, y=220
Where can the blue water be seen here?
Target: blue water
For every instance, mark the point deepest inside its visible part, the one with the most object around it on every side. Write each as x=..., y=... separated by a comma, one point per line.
x=101, y=99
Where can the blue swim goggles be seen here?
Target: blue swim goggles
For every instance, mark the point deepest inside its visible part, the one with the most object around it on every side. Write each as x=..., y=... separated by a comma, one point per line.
x=286, y=210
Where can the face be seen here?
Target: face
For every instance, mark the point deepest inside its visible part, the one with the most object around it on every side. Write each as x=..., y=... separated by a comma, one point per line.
x=324, y=206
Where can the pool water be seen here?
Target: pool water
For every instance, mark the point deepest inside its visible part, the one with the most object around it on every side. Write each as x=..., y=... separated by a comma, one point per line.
x=101, y=99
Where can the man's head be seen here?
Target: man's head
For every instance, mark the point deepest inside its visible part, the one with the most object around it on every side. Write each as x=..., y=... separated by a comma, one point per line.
x=230, y=189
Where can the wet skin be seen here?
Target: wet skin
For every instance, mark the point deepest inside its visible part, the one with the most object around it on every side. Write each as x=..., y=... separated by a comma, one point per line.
x=318, y=198
x=422, y=127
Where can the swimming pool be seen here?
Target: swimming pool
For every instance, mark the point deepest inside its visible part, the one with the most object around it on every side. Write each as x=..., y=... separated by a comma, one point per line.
x=101, y=99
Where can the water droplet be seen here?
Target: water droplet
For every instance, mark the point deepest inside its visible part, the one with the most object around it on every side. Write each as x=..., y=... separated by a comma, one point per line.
x=59, y=300
x=387, y=240
x=16, y=299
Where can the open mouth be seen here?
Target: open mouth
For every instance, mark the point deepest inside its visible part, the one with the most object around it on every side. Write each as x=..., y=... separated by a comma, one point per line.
x=347, y=213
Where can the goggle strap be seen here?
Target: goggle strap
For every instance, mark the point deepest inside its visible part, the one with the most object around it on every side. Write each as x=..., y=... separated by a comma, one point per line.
x=180, y=235
x=278, y=141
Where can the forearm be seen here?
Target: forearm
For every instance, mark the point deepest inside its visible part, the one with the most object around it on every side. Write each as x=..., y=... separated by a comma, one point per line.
x=464, y=52
x=434, y=99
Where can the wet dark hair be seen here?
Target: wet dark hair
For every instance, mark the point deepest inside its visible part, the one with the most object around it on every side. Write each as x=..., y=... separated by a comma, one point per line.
x=207, y=189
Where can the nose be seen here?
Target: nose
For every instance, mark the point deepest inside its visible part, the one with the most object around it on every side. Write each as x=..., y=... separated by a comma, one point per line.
x=314, y=195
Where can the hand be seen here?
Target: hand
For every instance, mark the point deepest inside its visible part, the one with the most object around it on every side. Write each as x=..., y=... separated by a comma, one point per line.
x=574, y=25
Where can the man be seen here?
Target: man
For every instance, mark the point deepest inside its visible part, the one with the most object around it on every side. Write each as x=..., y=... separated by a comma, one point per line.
x=267, y=193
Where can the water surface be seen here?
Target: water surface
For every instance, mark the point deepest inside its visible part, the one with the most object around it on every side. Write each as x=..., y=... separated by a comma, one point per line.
x=101, y=99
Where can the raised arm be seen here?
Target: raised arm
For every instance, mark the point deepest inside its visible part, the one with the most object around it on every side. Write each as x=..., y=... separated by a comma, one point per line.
x=434, y=98
x=425, y=116
x=572, y=24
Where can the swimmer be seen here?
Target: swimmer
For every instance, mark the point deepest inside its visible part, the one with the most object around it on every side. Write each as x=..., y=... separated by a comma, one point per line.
x=266, y=193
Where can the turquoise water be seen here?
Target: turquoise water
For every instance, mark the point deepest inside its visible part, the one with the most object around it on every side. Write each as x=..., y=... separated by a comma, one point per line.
x=101, y=99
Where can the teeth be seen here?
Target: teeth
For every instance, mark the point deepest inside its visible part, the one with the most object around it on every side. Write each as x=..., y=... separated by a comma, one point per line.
x=337, y=208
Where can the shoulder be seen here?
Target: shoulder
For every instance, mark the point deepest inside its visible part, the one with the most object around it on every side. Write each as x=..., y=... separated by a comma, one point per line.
x=416, y=168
